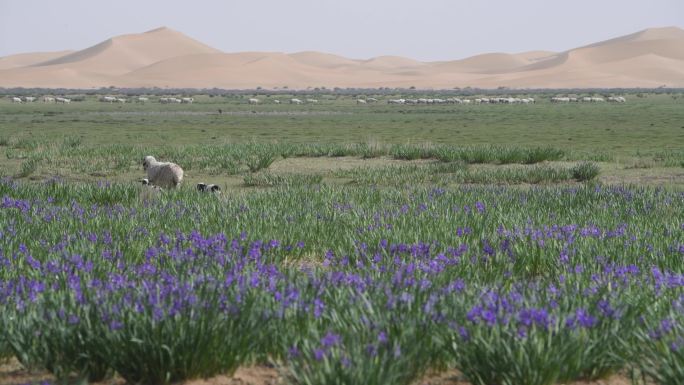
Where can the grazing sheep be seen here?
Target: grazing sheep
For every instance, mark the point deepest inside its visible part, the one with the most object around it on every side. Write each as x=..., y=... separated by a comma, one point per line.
x=208, y=188
x=295, y=101
x=360, y=101
x=276, y=101
x=16, y=100
x=253, y=101
x=162, y=174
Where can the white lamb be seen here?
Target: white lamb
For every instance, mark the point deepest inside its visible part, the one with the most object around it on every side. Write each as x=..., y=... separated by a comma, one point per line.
x=162, y=174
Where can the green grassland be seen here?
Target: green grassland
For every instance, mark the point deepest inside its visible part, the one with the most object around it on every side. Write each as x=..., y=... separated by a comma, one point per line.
x=641, y=141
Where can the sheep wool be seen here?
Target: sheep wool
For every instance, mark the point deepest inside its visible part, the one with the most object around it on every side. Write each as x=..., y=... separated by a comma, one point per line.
x=162, y=174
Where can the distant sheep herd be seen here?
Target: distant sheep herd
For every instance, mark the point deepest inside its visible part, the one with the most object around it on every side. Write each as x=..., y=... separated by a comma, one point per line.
x=359, y=101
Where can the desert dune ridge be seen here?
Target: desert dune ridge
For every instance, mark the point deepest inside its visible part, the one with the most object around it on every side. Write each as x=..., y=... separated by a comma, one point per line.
x=166, y=58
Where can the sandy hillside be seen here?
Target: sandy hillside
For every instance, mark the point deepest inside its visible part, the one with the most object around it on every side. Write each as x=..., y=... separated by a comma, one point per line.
x=27, y=59
x=167, y=58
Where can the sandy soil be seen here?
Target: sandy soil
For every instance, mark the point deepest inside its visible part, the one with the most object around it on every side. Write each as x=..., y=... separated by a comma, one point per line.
x=11, y=373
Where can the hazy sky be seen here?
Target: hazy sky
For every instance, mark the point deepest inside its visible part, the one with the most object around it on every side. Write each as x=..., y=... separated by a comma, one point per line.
x=421, y=29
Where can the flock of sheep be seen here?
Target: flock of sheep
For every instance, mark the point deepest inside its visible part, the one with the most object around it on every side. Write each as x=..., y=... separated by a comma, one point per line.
x=292, y=101
x=612, y=99
x=168, y=175
x=359, y=101
x=460, y=101
x=46, y=99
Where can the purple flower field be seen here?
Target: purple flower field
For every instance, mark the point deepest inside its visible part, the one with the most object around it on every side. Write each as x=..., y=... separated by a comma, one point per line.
x=338, y=285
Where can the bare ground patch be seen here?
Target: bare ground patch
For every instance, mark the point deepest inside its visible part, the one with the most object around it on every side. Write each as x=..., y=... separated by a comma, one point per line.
x=12, y=373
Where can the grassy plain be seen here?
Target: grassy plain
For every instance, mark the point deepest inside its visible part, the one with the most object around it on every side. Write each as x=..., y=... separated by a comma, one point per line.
x=641, y=141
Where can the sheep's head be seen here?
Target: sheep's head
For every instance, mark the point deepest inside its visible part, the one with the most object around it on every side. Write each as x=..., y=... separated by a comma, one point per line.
x=201, y=186
x=147, y=161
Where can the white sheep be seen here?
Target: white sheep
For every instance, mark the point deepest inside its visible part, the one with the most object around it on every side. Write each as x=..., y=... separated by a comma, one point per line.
x=253, y=101
x=16, y=100
x=162, y=174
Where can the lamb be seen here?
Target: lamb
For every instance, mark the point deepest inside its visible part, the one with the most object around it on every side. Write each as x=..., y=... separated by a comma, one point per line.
x=162, y=174
x=208, y=188
x=146, y=182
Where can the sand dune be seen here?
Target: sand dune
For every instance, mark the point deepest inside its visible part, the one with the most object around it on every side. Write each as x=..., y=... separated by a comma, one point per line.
x=27, y=59
x=122, y=54
x=323, y=60
x=167, y=58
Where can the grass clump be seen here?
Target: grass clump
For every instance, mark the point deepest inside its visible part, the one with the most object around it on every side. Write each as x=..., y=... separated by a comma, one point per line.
x=268, y=179
x=585, y=171
x=28, y=167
